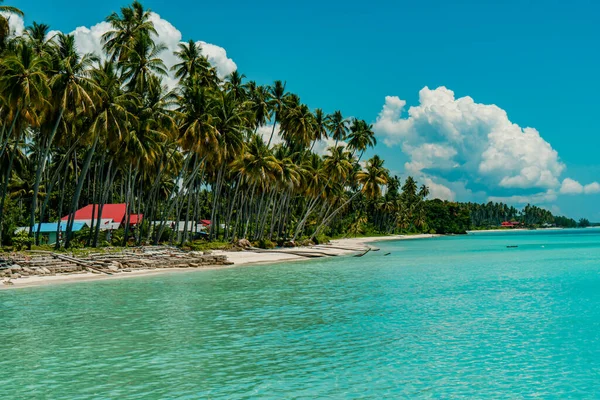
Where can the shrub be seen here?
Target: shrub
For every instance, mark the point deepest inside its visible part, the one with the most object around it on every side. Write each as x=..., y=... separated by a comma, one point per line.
x=322, y=239
x=265, y=244
x=21, y=241
x=117, y=237
x=306, y=242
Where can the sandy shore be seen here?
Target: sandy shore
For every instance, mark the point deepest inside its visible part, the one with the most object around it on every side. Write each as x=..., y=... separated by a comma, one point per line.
x=339, y=247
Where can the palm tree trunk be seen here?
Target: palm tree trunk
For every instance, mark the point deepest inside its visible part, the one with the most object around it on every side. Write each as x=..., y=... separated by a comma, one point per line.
x=79, y=187
x=60, y=207
x=40, y=170
x=5, y=184
x=103, y=198
x=333, y=214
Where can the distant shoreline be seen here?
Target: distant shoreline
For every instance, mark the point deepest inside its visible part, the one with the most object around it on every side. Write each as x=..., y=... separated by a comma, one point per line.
x=515, y=230
x=337, y=247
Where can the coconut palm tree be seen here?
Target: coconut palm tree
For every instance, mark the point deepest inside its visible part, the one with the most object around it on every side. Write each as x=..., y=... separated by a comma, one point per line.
x=338, y=126
x=142, y=62
x=5, y=13
x=132, y=26
x=24, y=88
x=361, y=137
x=373, y=178
x=277, y=104
x=73, y=91
x=38, y=36
x=192, y=65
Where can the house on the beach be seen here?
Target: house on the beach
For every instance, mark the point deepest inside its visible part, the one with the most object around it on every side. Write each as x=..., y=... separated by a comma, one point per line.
x=180, y=226
x=113, y=216
x=48, y=230
x=510, y=224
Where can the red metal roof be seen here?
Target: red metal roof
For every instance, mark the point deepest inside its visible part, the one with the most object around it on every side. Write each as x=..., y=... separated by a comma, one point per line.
x=116, y=212
x=205, y=222
x=135, y=219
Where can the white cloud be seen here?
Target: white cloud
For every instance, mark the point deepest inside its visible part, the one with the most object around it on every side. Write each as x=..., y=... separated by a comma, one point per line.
x=593, y=187
x=89, y=40
x=16, y=25
x=571, y=186
x=538, y=198
x=265, y=132
x=439, y=191
x=322, y=146
x=444, y=135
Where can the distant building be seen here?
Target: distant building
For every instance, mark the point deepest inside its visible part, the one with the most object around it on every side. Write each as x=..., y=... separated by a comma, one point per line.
x=510, y=224
x=48, y=230
x=113, y=216
x=201, y=226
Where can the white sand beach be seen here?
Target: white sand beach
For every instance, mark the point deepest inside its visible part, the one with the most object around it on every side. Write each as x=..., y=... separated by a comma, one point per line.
x=338, y=247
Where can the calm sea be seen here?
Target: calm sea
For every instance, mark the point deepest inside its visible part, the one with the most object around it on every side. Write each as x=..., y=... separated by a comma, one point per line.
x=448, y=317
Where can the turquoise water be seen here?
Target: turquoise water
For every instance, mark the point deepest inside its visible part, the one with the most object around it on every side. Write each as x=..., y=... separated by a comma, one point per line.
x=438, y=318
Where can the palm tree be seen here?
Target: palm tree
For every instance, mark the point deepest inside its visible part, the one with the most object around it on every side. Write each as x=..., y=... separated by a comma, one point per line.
x=298, y=127
x=4, y=25
x=24, y=88
x=129, y=28
x=38, y=37
x=337, y=126
x=234, y=85
x=320, y=127
x=73, y=91
x=193, y=65
x=277, y=104
x=361, y=137
x=373, y=178
x=142, y=63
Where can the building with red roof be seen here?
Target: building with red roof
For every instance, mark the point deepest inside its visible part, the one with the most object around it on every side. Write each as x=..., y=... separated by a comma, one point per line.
x=113, y=216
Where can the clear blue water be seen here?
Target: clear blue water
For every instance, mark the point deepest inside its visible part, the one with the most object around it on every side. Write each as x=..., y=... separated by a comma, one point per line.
x=439, y=318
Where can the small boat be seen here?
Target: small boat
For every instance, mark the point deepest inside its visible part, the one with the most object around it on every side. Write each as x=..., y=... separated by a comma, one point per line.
x=511, y=247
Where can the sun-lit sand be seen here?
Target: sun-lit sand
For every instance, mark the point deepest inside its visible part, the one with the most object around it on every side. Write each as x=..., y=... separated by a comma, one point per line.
x=339, y=247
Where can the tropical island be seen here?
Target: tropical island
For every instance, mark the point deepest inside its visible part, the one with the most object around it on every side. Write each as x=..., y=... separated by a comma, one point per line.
x=99, y=151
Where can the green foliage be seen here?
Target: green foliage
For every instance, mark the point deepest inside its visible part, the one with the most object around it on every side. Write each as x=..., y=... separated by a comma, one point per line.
x=446, y=217
x=565, y=222
x=204, y=245
x=22, y=241
x=117, y=237
x=265, y=244
x=583, y=223
x=322, y=239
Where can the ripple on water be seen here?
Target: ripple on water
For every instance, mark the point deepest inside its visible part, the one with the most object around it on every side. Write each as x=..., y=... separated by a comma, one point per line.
x=450, y=317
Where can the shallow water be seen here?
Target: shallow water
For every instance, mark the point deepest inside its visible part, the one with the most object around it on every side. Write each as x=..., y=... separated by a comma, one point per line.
x=445, y=317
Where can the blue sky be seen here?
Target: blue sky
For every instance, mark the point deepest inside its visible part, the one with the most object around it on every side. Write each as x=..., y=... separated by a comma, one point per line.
x=536, y=60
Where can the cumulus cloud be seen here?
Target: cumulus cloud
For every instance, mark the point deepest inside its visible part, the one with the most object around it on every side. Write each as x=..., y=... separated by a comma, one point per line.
x=16, y=25
x=439, y=191
x=593, y=187
x=89, y=40
x=571, y=186
x=445, y=135
x=548, y=196
x=266, y=130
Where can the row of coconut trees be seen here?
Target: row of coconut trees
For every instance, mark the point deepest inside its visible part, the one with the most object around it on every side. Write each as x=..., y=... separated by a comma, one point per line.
x=99, y=128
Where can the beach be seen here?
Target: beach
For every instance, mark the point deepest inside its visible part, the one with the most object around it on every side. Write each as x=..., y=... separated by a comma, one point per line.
x=337, y=247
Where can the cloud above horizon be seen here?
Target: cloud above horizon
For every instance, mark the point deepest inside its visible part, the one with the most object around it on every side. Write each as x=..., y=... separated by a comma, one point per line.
x=571, y=186
x=89, y=40
x=449, y=139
